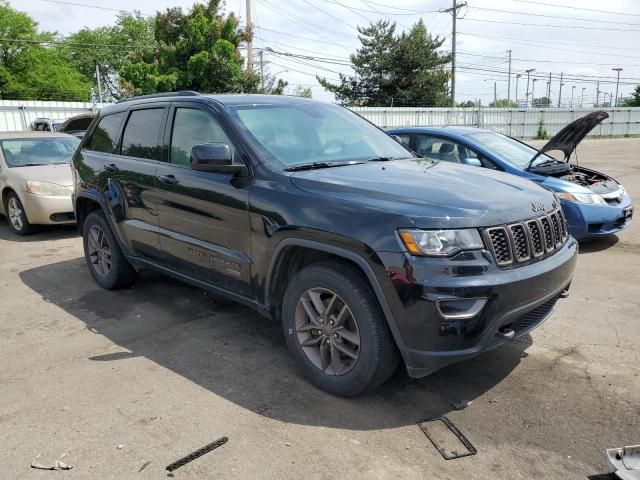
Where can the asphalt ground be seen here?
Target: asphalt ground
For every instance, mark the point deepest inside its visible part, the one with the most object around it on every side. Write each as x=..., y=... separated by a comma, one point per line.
x=125, y=383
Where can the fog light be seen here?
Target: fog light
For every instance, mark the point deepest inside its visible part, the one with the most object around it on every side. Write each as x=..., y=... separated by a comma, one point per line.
x=460, y=309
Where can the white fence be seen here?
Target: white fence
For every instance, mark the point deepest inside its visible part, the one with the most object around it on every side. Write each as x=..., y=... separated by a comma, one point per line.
x=515, y=122
x=17, y=115
x=523, y=123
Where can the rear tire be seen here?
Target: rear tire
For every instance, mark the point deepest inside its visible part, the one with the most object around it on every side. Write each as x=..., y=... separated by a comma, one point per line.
x=17, y=216
x=107, y=264
x=347, y=349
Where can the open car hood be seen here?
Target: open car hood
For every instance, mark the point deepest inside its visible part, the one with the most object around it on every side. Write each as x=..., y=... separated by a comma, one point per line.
x=567, y=139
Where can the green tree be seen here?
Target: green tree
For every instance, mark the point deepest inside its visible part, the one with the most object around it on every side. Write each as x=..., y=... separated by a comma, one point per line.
x=467, y=104
x=634, y=99
x=197, y=50
x=503, y=103
x=541, y=102
x=404, y=69
x=31, y=70
x=108, y=48
x=302, y=91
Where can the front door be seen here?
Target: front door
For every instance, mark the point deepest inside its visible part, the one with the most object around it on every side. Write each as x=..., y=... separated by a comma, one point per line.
x=203, y=216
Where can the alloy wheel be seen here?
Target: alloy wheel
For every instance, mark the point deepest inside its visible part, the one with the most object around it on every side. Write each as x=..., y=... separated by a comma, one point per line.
x=15, y=213
x=99, y=251
x=327, y=331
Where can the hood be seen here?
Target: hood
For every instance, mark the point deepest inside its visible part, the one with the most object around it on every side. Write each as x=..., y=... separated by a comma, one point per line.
x=567, y=139
x=58, y=174
x=431, y=194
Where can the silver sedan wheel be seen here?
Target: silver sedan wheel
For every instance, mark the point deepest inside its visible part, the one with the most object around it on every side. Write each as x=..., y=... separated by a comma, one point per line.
x=16, y=215
x=327, y=331
x=99, y=251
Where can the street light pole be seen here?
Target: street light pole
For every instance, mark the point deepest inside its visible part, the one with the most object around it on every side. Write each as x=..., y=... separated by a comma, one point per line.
x=527, y=96
x=615, y=104
x=533, y=89
x=560, y=90
x=582, y=96
x=572, y=89
x=517, y=77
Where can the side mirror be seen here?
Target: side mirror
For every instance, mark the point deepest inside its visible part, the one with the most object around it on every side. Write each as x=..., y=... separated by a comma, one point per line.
x=474, y=162
x=214, y=157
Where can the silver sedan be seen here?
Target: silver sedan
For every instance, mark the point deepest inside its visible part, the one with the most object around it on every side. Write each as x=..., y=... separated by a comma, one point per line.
x=35, y=179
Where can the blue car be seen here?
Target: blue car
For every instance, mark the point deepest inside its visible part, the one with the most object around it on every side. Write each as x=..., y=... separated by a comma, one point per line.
x=594, y=204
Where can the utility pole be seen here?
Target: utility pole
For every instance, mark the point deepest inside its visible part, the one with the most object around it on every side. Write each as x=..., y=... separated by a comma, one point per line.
x=454, y=12
x=615, y=104
x=582, y=96
x=509, y=80
x=517, y=77
x=495, y=94
x=533, y=95
x=560, y=91
x=572, y=89
x=527, y=96
x=98, y=83
x=261, y=54
x=250, y=42
x=549, y=92
x=597, y=94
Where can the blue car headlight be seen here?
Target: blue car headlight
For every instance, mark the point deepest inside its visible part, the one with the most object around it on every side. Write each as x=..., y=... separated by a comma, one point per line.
x=588, y=198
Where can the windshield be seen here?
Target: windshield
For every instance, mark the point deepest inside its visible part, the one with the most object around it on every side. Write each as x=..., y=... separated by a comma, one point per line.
x=304, y=133
x=508, y=149
x=23, y=152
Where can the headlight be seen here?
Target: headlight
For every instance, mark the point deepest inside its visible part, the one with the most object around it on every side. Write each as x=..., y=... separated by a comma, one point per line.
x=590, y=198
x=48, y=189
x=440, y=243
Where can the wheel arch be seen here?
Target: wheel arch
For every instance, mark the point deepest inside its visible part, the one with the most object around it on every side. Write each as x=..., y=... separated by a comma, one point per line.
x=84, y=205
x=293, y=254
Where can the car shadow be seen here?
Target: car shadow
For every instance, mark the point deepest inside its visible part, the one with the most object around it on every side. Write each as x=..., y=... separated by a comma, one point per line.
x=594, y=245
x=44, y=232
x=235, y=353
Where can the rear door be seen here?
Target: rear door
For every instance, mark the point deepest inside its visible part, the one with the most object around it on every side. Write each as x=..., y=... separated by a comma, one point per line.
x=203, y=216
x=129, y=179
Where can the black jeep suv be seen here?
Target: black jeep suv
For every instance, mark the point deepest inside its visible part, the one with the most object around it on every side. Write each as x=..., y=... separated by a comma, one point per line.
x=314, y=217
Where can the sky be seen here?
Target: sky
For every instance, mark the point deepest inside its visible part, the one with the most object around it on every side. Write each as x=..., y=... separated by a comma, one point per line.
x=582, y=40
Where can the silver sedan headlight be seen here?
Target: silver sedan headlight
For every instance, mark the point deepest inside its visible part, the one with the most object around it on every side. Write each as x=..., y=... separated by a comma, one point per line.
x=440, y=243
x=47, y=189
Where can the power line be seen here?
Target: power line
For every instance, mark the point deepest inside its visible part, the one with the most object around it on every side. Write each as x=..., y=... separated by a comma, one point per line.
x=580, y=8
x=304, y=38
x=546, y=61
x=579, y=27
x=530, y=14
x=300, y=20
x=329, y=14
x=97, y=7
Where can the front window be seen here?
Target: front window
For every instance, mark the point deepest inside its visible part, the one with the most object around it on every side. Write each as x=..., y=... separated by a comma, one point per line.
x=27, y=152
x=507, y=149
x=303, y=133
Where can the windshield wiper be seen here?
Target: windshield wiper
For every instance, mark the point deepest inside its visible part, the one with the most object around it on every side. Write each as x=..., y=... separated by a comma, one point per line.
x=386, y=159
x=31, y=165
x=318, y=165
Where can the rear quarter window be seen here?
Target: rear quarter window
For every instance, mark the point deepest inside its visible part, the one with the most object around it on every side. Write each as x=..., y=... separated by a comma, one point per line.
x=105, y=136
x=142, y=132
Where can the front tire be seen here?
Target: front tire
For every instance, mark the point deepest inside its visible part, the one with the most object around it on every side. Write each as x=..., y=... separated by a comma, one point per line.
x=17, y=216
x=336, y=331
x=107, y=264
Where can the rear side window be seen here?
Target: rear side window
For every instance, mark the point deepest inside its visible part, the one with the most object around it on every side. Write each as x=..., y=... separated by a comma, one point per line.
x=140, y=138
x=105, y=136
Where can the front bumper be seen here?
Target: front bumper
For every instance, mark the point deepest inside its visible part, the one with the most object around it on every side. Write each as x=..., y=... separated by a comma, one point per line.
x=517, y=301
x=44, y=210
x=589, y=221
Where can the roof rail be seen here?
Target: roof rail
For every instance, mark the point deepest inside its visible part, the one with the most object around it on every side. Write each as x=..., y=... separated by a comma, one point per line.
x=182, y=93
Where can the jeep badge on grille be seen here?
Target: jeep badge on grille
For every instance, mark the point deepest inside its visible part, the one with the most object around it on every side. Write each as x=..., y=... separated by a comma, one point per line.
x=537, y=207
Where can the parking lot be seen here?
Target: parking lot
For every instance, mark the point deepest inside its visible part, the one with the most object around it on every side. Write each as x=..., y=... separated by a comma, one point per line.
x=116, y=380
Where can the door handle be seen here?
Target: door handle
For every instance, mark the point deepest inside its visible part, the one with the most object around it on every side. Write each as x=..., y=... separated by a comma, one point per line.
x=169, y=179
x=112, y=167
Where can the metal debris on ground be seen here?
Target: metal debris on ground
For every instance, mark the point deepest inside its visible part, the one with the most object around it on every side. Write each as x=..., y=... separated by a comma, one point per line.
x=448, y=440
x=460, y=404
x=624, y=462
x=198, y=453
x=144, y=465
x=57, y=465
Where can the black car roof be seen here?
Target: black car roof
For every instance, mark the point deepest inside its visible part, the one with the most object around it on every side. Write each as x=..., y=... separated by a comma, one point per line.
x=221, y=99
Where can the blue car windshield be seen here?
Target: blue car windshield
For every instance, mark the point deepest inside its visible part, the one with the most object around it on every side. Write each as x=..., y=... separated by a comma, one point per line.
x=306, y=132
x=507, y=149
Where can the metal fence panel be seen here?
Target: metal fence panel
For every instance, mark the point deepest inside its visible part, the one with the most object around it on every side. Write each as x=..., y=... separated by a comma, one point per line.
x=521, y=123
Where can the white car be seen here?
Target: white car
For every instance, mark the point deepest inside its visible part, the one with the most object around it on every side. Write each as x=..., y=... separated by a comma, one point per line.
x=35, y=179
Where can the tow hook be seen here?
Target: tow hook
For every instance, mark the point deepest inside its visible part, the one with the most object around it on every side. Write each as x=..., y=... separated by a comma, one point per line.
x=506, y=333
x=564, y=293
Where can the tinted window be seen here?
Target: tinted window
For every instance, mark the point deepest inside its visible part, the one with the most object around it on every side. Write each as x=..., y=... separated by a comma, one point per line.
x=105, y=136
x=140, y=138
x=192, y=127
